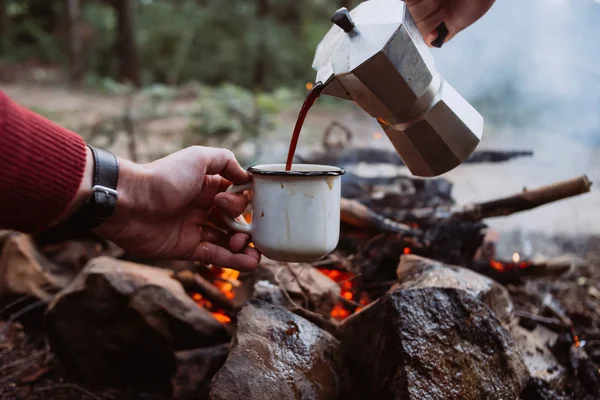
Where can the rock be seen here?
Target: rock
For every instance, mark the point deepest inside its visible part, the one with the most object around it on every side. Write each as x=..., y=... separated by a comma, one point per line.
x=271, y=293
x=25, y=271
x=539, y=360
x=120, y=322
x=431, y=343
x=304, y=283
x=195, y=371
x=279, y=355
x=418, y=272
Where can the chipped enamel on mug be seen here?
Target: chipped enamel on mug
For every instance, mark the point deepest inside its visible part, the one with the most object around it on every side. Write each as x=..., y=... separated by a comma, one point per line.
x=295, y=214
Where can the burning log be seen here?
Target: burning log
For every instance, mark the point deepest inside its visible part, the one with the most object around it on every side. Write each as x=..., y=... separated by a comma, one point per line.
x=526, y=200
x=513, y=271
x=192, y=282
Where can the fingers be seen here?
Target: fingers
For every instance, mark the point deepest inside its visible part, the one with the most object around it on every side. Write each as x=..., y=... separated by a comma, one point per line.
x=223, y=162
x=238, y=242
x=217, y=255
x=231, y=204
x=428, y=15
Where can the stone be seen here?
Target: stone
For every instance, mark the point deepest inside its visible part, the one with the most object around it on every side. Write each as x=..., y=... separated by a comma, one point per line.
x=539, y=360
x=271, y=293
x=418, y=272
x=279, y=355
x=120, y=322
x=431, y=343
x=24, y=271
x=195, y=371
x=302, y=282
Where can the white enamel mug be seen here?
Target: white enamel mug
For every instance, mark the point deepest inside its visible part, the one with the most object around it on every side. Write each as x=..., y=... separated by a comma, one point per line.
x=295, y=214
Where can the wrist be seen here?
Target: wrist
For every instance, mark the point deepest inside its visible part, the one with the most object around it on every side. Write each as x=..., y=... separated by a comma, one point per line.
x=130, y=189
x=85, y=187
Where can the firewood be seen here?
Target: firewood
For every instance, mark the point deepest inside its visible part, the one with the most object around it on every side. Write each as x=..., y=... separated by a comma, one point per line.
x=526, y=200
x=513, y=272
x=195, y=283
x=360, y=216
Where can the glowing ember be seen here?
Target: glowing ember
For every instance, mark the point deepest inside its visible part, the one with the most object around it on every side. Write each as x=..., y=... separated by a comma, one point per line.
x=346, y=281
x=504, y=267
x=225, y=280
x=407, y=250
x=498, y=266
x=516, y=257
x=221, y=317
x=309, y=85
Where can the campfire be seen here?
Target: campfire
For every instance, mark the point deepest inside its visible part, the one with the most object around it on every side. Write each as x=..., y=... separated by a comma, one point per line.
x=414, y=302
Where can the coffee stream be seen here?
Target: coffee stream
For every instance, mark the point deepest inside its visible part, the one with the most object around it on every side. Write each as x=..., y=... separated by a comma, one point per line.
x=308, y=103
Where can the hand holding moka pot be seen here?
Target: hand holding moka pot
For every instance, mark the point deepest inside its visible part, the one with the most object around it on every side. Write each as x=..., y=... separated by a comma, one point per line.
x=376, y=57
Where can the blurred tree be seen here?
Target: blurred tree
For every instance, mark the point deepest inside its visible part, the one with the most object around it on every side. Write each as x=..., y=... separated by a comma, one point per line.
x=3, y=20
x=126, y=47
x=75, y=42
x=347, y=3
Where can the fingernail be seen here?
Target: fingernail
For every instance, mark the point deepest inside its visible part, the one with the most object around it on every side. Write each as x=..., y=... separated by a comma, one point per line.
x=221, y=202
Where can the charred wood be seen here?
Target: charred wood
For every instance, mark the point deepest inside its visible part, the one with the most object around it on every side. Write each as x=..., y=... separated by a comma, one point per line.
x=360, y=216
x=526, y=200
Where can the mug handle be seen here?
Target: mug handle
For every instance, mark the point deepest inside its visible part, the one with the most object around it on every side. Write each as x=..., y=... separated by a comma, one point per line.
x=233, y=224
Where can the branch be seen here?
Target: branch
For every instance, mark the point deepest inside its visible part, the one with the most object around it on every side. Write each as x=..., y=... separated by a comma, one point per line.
x=526, y=200
x=360, y=216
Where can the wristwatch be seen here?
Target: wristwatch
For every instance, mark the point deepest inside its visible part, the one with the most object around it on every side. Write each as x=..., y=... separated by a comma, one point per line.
x=103, y=201
x=101, y=204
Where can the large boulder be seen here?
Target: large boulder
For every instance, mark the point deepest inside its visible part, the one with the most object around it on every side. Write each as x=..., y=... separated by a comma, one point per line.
x=431, y=343
x=119, y=322
x=279, y=355
x=417, y=272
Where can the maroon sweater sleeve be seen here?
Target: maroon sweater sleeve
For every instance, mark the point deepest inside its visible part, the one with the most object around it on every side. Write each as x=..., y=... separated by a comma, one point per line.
x=41, y=167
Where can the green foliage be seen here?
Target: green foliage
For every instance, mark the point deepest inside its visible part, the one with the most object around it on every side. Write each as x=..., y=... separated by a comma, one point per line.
x=257, y=44
x=229, y=108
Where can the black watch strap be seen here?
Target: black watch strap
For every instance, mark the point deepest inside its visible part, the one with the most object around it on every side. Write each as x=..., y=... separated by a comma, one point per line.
x=101, y=204
x=104, y=198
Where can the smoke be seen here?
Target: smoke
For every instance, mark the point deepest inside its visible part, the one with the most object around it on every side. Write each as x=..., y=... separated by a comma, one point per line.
x=532, y=69
x=533, y=63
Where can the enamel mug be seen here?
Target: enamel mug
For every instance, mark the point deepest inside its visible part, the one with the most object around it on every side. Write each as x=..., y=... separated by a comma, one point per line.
x=295, y=214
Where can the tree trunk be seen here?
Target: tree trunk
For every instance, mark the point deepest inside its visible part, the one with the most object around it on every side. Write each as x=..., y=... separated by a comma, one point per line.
x=260, y=65
x=129, y=69
x=75, y=42
x=346, y=3
x=3, y=21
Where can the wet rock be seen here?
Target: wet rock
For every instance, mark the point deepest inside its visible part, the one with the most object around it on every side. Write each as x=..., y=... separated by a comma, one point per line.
x=120, y=322
x=304, y=284
x=539, y=360
x=418, y=272
x=195, y=371
x=271, y=293
x=431, y=343
x=25, y=271
x=279, y=355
